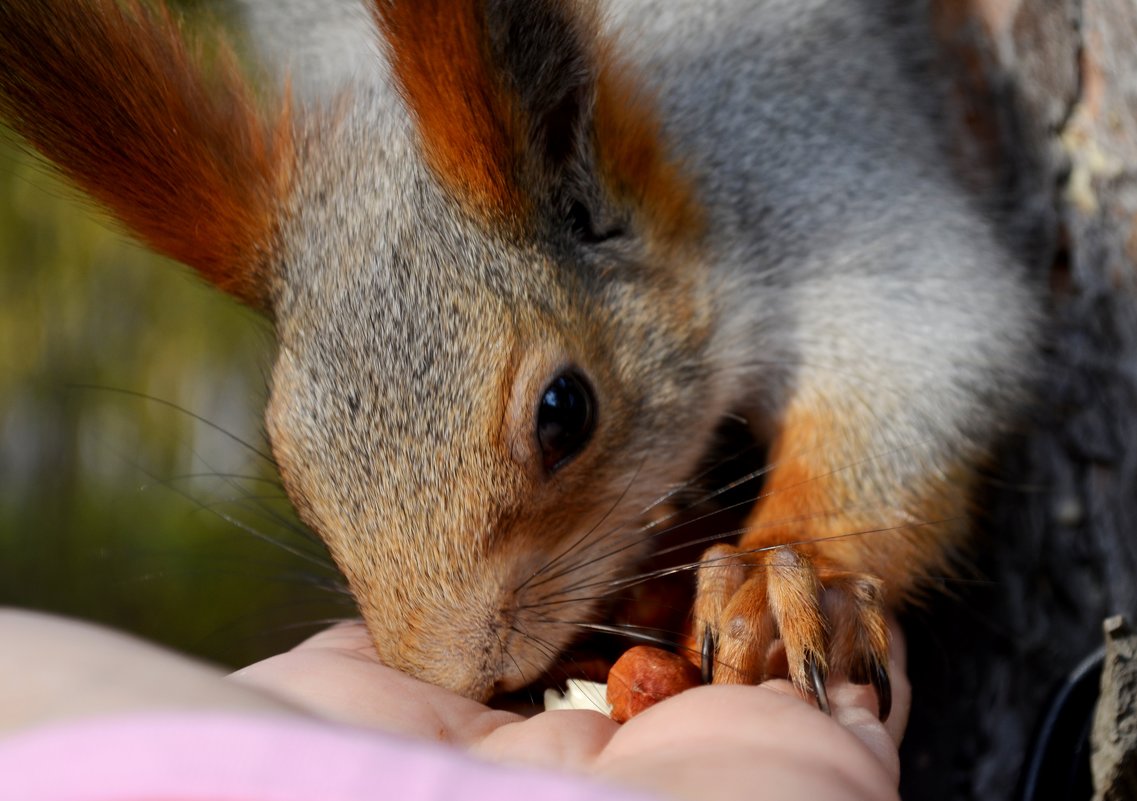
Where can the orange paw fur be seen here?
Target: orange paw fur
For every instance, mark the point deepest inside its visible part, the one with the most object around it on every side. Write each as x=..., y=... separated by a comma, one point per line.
x=830, y=621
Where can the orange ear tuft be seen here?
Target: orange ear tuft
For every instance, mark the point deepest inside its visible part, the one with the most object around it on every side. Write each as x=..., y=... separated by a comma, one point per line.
x=633, y=157
x=171, y=142
x=467, y=119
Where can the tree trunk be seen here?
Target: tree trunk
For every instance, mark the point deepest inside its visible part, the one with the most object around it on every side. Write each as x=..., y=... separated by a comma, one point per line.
x=1050, y=88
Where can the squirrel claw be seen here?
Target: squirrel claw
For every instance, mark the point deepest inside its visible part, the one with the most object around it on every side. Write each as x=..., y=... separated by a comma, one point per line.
x=817, y=676
x=707, y=656
x=879, y=679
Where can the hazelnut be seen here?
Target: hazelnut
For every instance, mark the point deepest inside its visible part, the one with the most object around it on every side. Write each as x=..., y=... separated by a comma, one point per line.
x=644, y=676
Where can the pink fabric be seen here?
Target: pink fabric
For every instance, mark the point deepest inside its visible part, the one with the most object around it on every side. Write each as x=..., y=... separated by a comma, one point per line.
x=215, y=757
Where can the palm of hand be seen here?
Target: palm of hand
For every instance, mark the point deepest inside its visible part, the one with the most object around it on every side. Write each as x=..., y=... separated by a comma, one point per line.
x=711, y=742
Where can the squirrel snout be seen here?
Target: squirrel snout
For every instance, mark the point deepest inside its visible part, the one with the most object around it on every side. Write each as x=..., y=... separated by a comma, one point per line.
x=477, y=635
x=453, y=650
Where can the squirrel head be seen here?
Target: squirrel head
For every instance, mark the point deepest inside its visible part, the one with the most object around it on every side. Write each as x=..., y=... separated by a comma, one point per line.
x=486, y=277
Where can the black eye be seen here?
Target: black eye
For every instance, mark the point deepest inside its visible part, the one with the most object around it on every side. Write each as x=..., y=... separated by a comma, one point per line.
x=565, y=419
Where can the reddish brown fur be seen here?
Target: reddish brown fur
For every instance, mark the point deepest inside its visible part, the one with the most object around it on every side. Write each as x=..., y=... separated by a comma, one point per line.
x=170, y=141
x=633, y=157
x=467, y=119
x=810, y=495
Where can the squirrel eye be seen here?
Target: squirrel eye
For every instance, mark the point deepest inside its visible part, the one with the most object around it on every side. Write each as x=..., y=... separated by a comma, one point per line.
x=565, y=419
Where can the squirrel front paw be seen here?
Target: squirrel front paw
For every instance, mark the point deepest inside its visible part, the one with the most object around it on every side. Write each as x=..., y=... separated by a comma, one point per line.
x=830, y=620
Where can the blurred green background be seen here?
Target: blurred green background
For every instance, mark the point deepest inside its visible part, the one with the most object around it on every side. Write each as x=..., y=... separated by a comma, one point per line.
x=117, y=504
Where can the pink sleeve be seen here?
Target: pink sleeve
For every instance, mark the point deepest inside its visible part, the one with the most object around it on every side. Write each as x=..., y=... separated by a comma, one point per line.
x=221, y=757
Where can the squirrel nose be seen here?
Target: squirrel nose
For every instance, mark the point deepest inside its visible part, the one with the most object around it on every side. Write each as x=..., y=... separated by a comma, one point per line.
x=452, y=666
x=476, y=687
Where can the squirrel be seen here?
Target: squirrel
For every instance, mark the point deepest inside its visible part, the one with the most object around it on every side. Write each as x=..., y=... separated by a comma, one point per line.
x=522, y=257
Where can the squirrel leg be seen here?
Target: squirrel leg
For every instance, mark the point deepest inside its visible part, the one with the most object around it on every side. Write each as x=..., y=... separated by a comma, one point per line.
x=834, y=542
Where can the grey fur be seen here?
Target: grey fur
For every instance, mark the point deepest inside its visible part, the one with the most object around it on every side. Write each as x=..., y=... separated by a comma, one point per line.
x=323, y=46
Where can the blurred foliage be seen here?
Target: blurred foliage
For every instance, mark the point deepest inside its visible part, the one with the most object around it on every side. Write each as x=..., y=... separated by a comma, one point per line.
x=127, y=388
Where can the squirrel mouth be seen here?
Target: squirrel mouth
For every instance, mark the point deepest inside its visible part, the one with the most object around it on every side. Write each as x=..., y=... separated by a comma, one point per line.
x=655, y=612
x=653, y=606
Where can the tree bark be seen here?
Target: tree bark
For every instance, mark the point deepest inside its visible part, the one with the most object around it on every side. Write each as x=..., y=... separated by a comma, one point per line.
x=1050, y=96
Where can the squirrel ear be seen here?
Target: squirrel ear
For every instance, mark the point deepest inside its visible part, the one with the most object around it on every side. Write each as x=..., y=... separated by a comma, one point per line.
x=515, y=99
x=545, y=52
x=171, y=141
x=464, y=70
x=638, y=167
x=498, y=88
x=585, y=107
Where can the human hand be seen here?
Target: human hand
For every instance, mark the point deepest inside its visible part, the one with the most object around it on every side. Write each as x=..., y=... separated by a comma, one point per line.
x=707, y=743
x=56, y=670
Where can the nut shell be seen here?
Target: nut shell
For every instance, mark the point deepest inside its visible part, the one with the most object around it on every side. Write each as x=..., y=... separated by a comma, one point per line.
x=644, y=676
